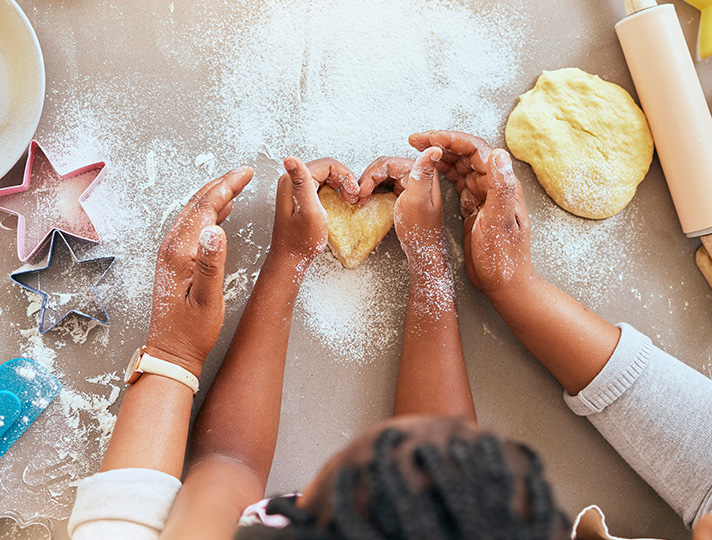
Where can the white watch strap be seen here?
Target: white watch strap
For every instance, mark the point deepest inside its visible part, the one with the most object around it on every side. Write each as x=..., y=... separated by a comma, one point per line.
x=151, y=364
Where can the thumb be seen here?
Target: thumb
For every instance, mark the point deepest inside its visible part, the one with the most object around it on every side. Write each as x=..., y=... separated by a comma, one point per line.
x=423, y=172
x=209, y=272
x=303, y=185
x=501, y=198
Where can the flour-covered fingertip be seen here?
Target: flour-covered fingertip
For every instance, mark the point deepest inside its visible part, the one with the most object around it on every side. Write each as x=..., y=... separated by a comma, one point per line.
x=210, y=239
x=502, y=161
x=291, y=165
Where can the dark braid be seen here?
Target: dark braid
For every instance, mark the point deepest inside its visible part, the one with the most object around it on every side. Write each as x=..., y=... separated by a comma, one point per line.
x=405, y=512
x=456, y=508
x=346, y=521
x=465, y=491
x=541, y=500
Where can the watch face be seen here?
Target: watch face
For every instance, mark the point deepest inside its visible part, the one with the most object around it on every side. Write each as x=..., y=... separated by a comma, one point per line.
x=131, y=374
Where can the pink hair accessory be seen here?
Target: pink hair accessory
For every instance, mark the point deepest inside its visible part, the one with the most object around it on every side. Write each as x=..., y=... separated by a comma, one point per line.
x=48, y=201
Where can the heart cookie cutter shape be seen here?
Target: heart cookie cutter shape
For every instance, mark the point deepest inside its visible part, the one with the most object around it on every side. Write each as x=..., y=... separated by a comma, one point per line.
x=46, y=201
x=66, y=284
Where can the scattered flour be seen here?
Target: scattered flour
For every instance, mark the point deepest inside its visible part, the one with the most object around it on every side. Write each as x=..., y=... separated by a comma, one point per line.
x=66, y=442
x=236, y=284
x=151, y=170
x=26, y=372
x=78, y=328
x=315, y=78
x=580, y=256
x=338, y=73
x=355, y=314
x=206, y=160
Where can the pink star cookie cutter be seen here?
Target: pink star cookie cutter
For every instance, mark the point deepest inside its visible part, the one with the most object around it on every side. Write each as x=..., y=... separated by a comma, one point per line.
x=47, y=201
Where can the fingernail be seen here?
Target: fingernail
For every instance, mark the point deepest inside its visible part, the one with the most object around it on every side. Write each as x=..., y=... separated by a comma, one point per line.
x=290, y=164
x=502, y=162
x=209, y=240
x=239, y=170
x=436, y=154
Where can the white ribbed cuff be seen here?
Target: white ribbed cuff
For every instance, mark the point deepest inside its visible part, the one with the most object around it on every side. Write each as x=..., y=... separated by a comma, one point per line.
x=622, y=370
x=141, y=496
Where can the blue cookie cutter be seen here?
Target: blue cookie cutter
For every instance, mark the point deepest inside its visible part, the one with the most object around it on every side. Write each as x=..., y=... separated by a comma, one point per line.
x=26, y=389
x=68, y=271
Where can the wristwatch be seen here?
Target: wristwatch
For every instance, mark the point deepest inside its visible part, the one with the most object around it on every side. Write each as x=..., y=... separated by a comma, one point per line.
x=141, y=362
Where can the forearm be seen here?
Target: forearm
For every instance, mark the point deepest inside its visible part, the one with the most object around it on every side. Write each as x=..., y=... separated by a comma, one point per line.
x=211, y=500
x=152, y=427
x=572, y=342
x=432, y=378
x=239, y=419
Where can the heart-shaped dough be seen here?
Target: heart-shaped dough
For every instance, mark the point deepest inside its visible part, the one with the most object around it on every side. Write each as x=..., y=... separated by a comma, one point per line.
x=355, y=231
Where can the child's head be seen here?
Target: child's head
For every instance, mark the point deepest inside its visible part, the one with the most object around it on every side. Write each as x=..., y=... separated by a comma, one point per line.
x=424, y=477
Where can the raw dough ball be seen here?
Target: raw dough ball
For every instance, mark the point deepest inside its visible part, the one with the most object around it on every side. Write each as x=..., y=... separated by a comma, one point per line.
x=355, y=231
x=586, y=139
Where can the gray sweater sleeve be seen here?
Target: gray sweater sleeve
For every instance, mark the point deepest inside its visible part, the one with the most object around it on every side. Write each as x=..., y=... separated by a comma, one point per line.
x=657, y=413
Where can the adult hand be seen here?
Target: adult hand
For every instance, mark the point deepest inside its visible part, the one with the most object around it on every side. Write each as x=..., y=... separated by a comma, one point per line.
x=385, y=170
x=418, y=213
x=188, y=304
x=301, y=229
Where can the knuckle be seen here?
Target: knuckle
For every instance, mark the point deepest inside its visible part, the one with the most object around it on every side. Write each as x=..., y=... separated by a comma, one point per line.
x=198, y=204
x=207, y=267
x=507, y=189
x=169, y=249
x=298, y=179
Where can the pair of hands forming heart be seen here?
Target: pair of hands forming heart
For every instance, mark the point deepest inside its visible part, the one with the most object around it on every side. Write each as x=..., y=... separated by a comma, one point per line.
x=497, y=238
x=359, y=220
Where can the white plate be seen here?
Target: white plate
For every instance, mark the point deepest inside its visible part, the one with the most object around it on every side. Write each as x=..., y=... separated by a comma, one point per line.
x=22, y=84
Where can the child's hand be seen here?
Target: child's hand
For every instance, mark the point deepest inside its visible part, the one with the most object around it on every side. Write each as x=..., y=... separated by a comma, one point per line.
x=301, y=229
x=463, y=163
x=418, y=211
x=497, y=239
x=385, y=170
x=336, y=175
x=188, y=305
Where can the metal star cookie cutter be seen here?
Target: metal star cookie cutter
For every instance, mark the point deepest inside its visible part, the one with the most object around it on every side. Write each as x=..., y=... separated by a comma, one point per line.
x=13, y=525
x=66, y=284
x=47, y=201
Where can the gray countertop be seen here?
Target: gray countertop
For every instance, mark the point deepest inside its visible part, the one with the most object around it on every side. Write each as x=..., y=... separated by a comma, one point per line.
x=170, y=94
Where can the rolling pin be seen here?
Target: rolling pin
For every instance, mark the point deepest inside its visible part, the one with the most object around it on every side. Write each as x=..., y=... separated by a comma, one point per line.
x=673, y=101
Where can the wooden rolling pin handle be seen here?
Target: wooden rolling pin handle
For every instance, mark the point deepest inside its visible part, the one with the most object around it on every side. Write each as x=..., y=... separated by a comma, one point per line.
x=634, y=6
x=707, y=242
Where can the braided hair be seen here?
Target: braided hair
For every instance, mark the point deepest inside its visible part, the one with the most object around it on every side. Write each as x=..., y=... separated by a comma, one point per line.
x=479, y=489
